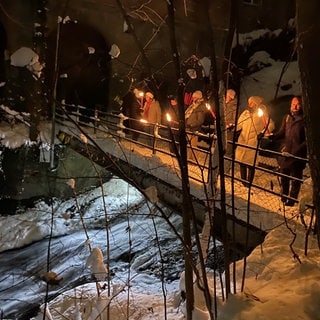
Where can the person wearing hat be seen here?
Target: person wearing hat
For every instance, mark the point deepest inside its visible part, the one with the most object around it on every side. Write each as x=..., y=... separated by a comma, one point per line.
x=151, y=114
x=194, y=118
x=252, y=123
x=231, y=103
x=151, y=109
x=231, y=107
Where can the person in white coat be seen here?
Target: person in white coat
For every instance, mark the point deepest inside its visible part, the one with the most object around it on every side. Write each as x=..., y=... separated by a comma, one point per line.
x=252, y=124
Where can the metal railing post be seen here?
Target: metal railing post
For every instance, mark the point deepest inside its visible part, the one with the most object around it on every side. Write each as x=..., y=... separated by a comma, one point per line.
x=96, y=120
x=155, y=135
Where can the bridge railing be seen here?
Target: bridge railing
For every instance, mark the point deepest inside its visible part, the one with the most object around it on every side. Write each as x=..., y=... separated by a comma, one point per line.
x=158, y=139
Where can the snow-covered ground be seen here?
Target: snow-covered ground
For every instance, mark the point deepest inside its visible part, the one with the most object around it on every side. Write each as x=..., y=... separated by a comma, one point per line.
x=135, y=228
x=281, y=283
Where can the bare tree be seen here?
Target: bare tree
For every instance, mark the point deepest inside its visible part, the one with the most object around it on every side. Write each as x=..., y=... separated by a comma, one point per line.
x=187, y=204
x=308, y=27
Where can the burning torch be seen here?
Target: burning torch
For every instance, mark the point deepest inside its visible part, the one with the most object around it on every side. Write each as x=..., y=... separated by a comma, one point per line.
x=210, y=110
x=263, y=118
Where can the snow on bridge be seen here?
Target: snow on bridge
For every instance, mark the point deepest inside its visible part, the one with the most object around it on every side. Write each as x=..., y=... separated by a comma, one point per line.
x=155, y=166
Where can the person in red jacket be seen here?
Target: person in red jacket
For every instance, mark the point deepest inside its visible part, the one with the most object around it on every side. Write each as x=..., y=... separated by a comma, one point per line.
x=292, y=135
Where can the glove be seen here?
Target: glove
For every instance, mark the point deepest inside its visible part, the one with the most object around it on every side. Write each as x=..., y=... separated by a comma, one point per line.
x=286, y=154
x=269, y=136
x=260, y=135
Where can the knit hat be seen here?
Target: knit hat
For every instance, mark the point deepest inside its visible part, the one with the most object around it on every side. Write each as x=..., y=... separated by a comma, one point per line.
x=149, y=95
x=257, y=100
x=197, y=94
x=136, y=92
x=231, y=93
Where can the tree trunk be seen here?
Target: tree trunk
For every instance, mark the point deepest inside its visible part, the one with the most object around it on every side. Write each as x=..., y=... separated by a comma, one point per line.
x=308, y=29
x=35, y=97
x=182, y=158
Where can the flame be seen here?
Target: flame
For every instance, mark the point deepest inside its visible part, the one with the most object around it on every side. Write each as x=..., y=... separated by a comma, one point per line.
x=143, y=121
x=141, y=94
x=208, y=106
x=168, y=117
x=260, y=112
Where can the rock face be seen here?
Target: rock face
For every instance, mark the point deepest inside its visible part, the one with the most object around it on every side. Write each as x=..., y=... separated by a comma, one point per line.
x=83, y=65
x=88, y=74
x=27, y=177
x=88, y=31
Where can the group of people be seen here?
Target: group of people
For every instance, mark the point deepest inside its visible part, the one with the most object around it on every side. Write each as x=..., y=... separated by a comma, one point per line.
x=253, y=124
x=138, y=106
x=249, y=127
x=144, y=111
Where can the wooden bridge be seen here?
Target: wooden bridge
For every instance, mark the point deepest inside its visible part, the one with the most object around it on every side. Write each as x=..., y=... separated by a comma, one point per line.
x=148, y=164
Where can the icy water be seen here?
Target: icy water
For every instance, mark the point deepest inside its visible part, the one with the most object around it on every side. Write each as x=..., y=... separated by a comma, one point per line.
x=132, y=241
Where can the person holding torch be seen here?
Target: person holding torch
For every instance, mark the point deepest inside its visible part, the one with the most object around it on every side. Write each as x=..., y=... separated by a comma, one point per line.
x=194, y=118
x=151, y=115
x=172, y=121
x=132, y=107
x=253, y=123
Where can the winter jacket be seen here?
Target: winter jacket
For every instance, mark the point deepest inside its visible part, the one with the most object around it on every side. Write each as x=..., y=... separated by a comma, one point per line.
x=292, y=134
x=230, y=112
x=195, y=115
x=131, y=106
x=251, y=125
x=152, y=112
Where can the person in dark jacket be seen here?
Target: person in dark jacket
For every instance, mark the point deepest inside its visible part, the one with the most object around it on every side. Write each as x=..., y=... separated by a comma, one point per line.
x=132, y=108
x=171, y=120
x=231, y=102
x=292, y=134
x=194, y=118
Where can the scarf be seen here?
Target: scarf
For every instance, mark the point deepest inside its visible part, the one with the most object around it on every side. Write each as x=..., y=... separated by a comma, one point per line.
x=147, y=108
